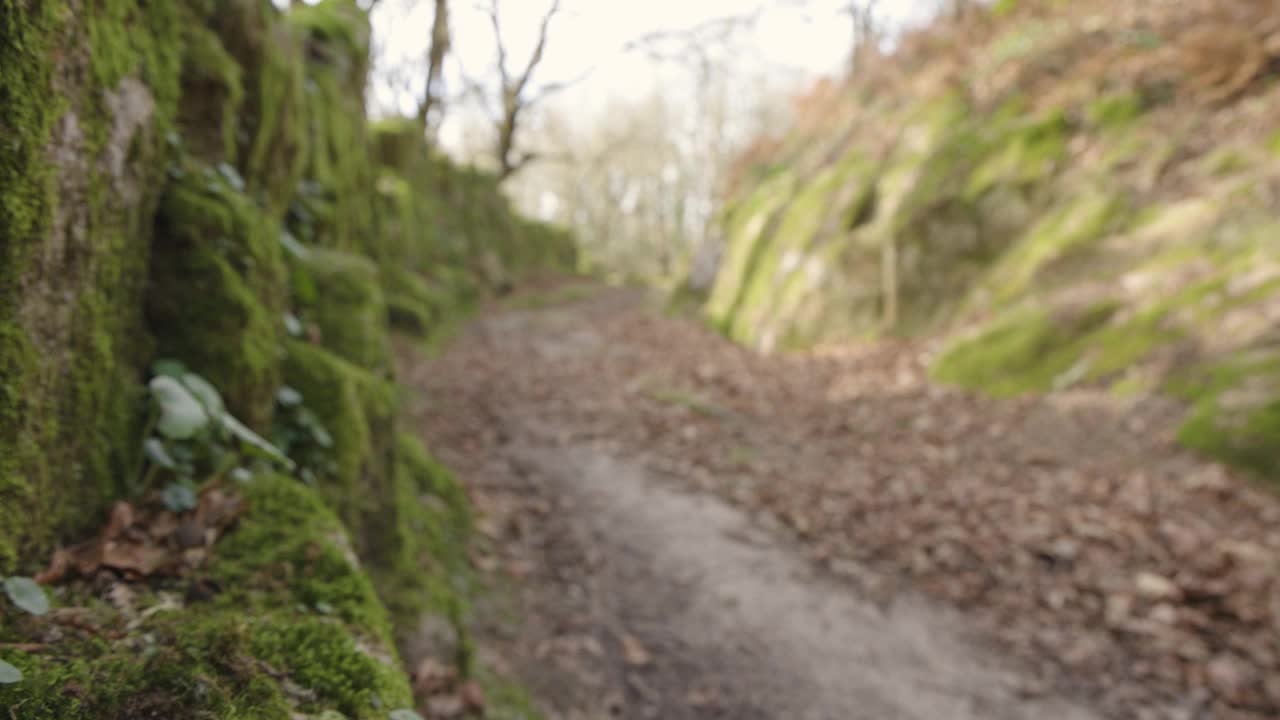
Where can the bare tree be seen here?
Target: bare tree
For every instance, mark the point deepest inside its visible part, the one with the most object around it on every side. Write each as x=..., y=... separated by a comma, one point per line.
x=441, y=42
x=514, y=96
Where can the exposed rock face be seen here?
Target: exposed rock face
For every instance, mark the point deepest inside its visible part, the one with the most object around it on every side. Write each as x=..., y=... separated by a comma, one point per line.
x=1070, y=204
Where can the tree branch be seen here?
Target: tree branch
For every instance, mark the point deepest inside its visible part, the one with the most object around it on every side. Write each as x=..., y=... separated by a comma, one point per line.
x=538, y=50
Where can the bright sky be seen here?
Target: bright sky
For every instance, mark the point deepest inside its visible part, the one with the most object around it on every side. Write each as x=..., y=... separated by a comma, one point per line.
x=813, y=39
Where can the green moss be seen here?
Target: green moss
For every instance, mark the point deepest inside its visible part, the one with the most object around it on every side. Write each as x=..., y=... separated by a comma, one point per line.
x=747, y=227
x=1273, y=143
x=349, y=307
x=1027, y=350
x=213, y=92
x=1114, y=111
x=216, y=297
x=1235, y=416
x=425, y=567
x=796, y=232
x=339, y=25
x=72, y=300
x=357, y=409
x=315, y=638
x=1066, y=230
x=1025, y=153
x=271, y=130
x=398, y=142
x=28, y=108
x=22, y=458
x=1226, y=161
x=409, y=315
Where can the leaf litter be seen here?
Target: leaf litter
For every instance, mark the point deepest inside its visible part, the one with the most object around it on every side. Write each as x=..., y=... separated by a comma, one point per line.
x=139, y=541
x=1071, y=528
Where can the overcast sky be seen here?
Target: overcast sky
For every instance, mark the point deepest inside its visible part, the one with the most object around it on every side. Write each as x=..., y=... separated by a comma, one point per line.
x=814, y=39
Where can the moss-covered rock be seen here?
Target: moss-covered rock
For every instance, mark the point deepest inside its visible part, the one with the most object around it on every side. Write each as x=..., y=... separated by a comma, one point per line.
x=1235, y=413
x=218, y=288
x=154, y=155
x=349, y=309
x=296, y=629
x=80, y=169
x=357, y=409
x=1060, y=228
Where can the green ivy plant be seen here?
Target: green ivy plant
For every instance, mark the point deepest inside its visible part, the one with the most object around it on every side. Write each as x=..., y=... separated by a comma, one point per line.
x=26, y=595
x=29, y=597
x=191, y=437
x=300, y=435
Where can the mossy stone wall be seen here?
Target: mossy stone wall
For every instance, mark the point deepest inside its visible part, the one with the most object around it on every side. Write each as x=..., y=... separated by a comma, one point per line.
x=197, y=181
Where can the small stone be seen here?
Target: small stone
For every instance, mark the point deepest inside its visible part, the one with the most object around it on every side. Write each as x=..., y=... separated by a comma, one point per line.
x=1230, y=678
x=1156, y=587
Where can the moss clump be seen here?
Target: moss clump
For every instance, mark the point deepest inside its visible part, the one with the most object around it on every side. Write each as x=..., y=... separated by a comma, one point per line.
x=1066, y=230
x=349, y=308
x=358, y=410
x=1235, y=415
x=73, y=240
x=317, y=638
x=1114, y=111
x=425, y=568
x=217, y=289
x=409, y=315
x=1026, y=351
x=271, y=130
x=213, y=92
x=1021, y=154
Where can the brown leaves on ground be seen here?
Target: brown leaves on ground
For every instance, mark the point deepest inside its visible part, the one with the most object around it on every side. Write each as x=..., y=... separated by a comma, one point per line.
x=444, y=693
x=1070, y=527
x=141, y=541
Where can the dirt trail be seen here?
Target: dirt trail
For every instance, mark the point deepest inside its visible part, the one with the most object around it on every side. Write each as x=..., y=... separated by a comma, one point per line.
x=688, y=533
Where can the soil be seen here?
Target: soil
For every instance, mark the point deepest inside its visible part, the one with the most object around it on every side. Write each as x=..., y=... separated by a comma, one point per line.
x=691, y=530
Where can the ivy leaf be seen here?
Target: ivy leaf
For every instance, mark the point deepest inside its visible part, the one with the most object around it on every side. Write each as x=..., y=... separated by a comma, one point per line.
x=321, y=436
x=288, y=397
x=206, y=393
x=169, y=368
x=292, y=325
x=9, y=674
x=256, y=441
x=181, y=414
x=158, y=454
x=27, y=595
x=179, y=498
x=232, y=176
x=404, y=715
x=292, y=246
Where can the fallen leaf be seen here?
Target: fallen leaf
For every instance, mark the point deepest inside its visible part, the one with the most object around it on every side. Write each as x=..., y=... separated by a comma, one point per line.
x=57, y=569
x=162, y=525
x=120, y=519
x=634, y=653
x=473, y=695
x=136, y=558
x=445, y=707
